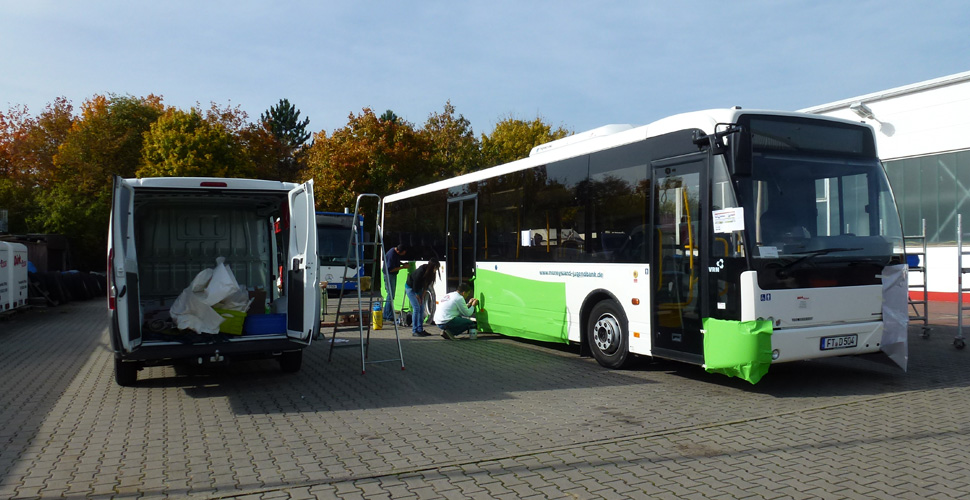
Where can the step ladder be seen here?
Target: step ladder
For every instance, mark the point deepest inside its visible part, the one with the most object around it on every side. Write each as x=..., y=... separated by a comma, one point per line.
x=919, y=307
x=958, y=341
x=362, y=307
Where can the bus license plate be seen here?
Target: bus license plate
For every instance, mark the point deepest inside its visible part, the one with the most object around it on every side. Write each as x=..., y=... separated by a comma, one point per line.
x=840, y=342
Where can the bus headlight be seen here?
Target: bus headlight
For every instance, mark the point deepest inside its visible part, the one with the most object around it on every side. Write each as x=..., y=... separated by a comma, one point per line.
x=775, y=354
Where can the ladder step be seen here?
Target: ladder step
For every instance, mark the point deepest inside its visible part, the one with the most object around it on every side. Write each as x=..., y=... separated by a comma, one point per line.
x=384, y=360
x=349, y=313
x=350, y=280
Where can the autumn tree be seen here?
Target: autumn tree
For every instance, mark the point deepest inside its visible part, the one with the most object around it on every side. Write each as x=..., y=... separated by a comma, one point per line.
x=289, y=134
x=27, y=149
x=104, y=141
x=454, y=148
x=513, y=139
x=369, y=155
x=186, y=144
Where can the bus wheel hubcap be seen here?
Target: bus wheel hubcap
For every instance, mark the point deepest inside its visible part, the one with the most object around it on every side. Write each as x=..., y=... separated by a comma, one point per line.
x=606, y=334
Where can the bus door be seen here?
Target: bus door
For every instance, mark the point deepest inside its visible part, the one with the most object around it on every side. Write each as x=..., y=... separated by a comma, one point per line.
x=679, y=268
x=460, y=259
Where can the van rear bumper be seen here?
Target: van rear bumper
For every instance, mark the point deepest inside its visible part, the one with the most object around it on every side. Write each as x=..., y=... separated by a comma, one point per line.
x=184, y=351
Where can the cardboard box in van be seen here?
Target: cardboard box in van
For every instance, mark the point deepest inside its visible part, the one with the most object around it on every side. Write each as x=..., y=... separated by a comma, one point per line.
x=165, y=231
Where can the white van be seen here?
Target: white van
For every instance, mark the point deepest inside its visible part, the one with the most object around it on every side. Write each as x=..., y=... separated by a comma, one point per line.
x=165, y=231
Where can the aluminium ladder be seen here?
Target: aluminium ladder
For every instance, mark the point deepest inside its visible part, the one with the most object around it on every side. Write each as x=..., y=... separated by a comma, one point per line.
x=356, y=247
x=920, y=307
x=958, y=341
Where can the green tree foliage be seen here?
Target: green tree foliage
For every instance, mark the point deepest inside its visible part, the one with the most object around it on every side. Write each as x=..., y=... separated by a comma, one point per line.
x=454, y=148
x=390, y=116
x=283, y=121
x=289, y=133
x=185, y=144
x=512, y=139
x=105, y=140
x=369, y=155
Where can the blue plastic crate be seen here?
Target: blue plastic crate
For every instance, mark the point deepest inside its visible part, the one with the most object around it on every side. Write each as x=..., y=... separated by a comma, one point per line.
x=265, y=324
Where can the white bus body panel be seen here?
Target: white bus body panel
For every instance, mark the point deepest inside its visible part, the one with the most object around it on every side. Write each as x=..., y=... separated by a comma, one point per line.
x=802, y=317
x=625, y=282
x=332, y=275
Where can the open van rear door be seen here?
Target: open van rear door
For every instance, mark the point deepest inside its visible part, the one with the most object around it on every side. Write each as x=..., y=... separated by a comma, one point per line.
x=123, y=295
x=302, y=289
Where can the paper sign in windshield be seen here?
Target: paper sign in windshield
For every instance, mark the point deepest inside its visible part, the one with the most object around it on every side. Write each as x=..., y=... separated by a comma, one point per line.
x=728, y=220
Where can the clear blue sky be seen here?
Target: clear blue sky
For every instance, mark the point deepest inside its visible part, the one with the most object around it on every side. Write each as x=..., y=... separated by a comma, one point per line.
x=578, y=64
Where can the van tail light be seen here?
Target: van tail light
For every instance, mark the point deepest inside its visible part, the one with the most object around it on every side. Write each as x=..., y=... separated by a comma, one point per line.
x=213, y=184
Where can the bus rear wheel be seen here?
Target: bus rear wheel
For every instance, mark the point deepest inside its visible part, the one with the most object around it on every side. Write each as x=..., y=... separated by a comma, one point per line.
x=607, y=330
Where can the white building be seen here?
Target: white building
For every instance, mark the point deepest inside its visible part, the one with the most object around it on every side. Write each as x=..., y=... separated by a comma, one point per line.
x=923, y=139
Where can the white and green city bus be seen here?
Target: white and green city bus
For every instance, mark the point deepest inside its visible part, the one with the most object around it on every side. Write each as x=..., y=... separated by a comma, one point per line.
x=728, y=238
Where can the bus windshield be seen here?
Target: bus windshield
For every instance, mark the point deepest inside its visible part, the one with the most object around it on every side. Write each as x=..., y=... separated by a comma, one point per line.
x=805, y=214
x=333, y=242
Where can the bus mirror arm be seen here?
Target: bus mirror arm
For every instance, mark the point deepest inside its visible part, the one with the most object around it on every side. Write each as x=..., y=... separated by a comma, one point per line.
x=716, y=140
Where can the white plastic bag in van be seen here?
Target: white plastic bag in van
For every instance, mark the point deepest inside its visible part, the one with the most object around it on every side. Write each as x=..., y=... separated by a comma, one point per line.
x=237, y=301
x=221, y=285
x=201, y=281
x=190, y=312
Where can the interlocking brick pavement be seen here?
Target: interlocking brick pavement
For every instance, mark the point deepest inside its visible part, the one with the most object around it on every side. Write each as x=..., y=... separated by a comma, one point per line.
x=493, y=418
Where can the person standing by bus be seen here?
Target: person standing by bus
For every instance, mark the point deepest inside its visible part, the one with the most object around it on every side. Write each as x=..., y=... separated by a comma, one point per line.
x=417, y=284
x=454, y=312
x=392, y=265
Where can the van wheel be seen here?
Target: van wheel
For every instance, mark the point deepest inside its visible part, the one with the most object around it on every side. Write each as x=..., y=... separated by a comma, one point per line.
x=126, y=374
x=291, y=361
x=607, y=335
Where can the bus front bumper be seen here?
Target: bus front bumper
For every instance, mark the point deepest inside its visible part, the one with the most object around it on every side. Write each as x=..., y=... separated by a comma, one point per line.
x=792, y=344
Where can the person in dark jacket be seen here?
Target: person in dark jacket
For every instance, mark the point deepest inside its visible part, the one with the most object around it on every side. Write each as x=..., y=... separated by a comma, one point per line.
x=417, y=284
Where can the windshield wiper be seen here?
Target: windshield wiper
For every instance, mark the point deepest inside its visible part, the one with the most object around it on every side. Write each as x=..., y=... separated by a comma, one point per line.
x=808, y=255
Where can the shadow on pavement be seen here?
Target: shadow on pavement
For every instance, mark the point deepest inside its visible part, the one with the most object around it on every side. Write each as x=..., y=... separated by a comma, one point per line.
x=495, y=368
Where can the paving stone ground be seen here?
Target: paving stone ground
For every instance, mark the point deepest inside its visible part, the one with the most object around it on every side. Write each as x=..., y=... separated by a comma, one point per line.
x=492, y=418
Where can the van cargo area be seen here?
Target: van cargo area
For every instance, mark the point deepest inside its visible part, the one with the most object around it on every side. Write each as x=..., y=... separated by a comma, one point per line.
x=176, y=239
x=173, y=234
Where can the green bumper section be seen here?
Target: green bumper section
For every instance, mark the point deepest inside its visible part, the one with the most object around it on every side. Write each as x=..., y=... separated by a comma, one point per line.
x=737, y=349
x=520, y=307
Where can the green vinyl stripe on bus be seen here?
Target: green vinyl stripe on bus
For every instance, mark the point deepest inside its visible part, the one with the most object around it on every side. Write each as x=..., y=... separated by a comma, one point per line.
x=520, y=307
x=400, y=298
x=737, y=348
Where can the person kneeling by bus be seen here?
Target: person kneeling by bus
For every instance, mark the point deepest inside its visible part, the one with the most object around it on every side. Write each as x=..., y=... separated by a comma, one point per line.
x=453, y=312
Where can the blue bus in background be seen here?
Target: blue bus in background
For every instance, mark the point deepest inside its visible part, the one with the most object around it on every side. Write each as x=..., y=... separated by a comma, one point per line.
x=334, y=230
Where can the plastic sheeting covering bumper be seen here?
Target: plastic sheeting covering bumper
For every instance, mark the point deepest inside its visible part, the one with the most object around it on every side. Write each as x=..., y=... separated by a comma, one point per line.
x=737, y=348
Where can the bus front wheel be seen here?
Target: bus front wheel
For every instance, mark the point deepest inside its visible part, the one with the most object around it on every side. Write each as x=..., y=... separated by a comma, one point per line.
x=607, y=331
